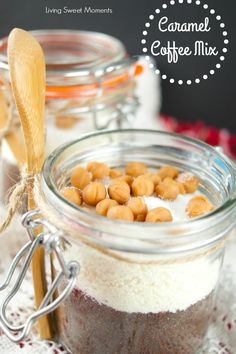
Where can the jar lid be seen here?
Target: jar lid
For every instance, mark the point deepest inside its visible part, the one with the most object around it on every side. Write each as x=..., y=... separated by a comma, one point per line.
x=81, y=62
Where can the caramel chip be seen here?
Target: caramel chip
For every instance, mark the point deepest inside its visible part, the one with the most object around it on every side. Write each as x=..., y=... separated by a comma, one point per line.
x=72, y=194
x=142, y=186
x=104, y=205
x=189, y=181
x=65, y=122
x=167, y=190
x=80, y=178
x=168, y=171
x=159, y=215
x=136, y=169
x=93, y=193
x=119, y=192
x=120, y=212
x=198, y=206
x=99, y=170
x=138, y=207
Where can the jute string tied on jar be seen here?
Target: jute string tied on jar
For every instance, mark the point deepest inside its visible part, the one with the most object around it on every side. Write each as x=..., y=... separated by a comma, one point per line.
x=16, y=197
x=52, y=216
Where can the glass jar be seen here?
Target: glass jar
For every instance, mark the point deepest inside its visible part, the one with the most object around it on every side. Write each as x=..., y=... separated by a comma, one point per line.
x=142, y=288
x=91, y=84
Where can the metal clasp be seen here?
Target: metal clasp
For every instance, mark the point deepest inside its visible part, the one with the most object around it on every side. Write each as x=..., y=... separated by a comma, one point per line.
x=53, y=241
x=125, y=110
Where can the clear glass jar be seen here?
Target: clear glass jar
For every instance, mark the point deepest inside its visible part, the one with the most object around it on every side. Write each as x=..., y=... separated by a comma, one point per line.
x=142, y=288
x=91, y=84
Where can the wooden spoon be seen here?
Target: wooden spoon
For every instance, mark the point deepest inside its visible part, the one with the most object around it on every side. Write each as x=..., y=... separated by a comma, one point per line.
x=27, y=73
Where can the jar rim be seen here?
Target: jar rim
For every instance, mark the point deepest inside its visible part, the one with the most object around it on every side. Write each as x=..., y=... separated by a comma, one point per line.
x=190, y=229
x=99, y=41
x=80, y=61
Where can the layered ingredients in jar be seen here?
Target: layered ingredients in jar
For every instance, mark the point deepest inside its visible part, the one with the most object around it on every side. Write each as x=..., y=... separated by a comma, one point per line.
x=122, y=307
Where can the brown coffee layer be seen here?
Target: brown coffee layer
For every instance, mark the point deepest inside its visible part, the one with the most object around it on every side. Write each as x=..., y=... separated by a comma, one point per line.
x=87, y=327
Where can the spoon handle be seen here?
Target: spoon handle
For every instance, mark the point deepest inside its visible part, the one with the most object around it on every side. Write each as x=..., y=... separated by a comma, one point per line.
x=27, y=73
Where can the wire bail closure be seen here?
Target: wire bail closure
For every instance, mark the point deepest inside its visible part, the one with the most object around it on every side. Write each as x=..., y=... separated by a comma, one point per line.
x=124, y=110
x=52, y=240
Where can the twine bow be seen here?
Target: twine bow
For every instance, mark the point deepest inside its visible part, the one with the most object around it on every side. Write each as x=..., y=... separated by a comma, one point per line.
x=16, y=197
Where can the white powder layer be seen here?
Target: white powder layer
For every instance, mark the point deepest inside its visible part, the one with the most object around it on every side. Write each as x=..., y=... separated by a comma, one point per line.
x=144, y=288
x=147, y=288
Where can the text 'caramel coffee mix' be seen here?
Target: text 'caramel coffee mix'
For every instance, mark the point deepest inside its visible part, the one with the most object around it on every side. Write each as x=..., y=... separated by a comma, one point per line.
x=137, y=193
